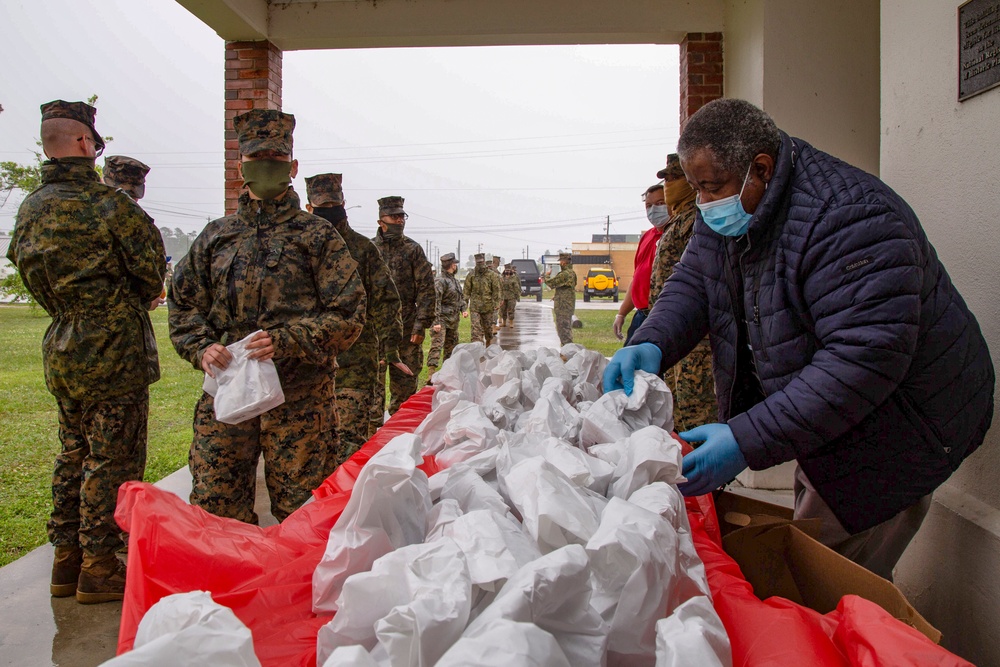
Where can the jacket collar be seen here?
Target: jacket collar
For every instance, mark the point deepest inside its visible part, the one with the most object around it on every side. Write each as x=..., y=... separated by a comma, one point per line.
x=59, y=170
x=270, y=212
x=774, y=197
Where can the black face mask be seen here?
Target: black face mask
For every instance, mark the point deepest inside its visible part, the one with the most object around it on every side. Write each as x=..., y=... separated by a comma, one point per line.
x=332, y=214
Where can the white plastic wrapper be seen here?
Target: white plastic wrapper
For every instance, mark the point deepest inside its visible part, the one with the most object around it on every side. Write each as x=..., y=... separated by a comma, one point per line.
x=432, y=428
x=503, y=643
x=552, y=415
x=579, y=466
x=570, y=350
x=414, y=603
x=388, y=509
x=615, y=416
x=501, y=403
x=471, y=493
x=189, y=629
x=350, y=656
x=553, y=592
x=554, y=510
x=483, y=464
x=244, y=389
x=495, y=546
x=587, y=366
x=504, y=368
x=652, y=455
x=460, y=371
x=633, y=563
x=693, y=635
x=667, y=501
x=467, y=433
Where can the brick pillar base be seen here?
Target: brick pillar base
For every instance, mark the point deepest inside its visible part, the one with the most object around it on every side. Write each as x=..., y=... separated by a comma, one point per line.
x=253, y=81
x=701, y=71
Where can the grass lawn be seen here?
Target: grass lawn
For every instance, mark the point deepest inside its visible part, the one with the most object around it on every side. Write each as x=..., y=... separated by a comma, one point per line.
x=29, y=421
x=29, y=425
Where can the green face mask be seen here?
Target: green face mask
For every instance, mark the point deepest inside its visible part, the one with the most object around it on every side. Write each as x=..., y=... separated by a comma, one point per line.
x=267, y=178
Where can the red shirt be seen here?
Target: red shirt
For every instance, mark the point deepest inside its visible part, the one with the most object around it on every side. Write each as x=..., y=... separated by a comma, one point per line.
x=644, y=254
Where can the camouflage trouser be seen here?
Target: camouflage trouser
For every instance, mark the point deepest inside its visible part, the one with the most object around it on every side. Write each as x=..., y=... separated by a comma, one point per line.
x=482, y=326
x=401, y=385
x=103, y=446
x=353, y=406
x=694, y=389
x=507, y=308
x=298, y=440
x=442, y=344
x=564, y=323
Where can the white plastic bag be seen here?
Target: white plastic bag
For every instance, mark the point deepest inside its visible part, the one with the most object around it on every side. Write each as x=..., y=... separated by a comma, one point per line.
x=553, y=592
x=652, y=455
x=189, y=629
x=633, y=561
x=350, y=656
x=693, y=635
x=615, y=416
x=504, y=643
x=414, y=603
x=245, y=388
x=387, y=509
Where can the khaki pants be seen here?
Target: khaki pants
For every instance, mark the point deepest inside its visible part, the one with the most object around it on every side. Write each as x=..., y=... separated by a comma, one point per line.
x=876, y=549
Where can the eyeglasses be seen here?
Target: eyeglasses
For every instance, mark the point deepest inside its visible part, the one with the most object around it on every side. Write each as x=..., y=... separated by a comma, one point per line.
x=91, y=139
x=400, y=216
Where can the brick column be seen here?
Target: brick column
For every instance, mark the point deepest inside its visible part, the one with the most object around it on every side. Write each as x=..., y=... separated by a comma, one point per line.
x=701, y=71
x=253, y=81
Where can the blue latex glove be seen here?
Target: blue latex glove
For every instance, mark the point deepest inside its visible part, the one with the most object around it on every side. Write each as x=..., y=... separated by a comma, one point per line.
x=716, y=462
x=620, y=372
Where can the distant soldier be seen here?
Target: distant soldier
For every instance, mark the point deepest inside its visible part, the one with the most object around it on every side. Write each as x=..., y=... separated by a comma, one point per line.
x=448, y=311
x=95, y=262
x=412, y=274
x=495, y=267
x=275, y=268
x=510, y=293
x=127, y=174
x=564, y=283
x=358, y=366
x=482, y=293
x=691, y=379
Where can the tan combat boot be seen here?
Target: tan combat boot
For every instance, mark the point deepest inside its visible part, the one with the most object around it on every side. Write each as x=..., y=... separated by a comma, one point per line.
x=65, y=570
x=102, y=579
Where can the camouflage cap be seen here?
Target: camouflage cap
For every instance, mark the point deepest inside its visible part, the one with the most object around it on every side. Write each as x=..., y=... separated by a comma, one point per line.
x=673, y=169
x=448, y=259
x=325, y=189
x=81, y=112
x=390, y=206
x=480, y=257
x=264, y=131
x=121, y=171
x=566, y=255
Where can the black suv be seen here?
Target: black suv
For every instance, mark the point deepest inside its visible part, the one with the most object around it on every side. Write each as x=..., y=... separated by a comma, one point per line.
x=531, y=279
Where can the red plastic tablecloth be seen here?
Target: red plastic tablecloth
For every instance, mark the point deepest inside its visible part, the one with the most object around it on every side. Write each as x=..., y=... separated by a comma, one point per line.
x=265, y=576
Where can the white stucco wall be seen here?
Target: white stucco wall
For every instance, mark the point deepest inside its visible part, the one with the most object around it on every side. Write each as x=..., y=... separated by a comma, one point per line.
x=941, y=156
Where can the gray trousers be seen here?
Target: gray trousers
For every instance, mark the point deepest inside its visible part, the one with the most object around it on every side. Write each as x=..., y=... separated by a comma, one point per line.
x=876, y=549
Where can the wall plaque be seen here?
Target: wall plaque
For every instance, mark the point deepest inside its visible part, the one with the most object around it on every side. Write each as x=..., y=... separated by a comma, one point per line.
x=978, y=47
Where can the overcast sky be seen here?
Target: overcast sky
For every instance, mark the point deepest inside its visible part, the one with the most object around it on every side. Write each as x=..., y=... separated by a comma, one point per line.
x=519, y=149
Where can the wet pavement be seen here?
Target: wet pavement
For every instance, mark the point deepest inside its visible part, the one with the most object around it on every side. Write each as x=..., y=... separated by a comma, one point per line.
x=39, y=630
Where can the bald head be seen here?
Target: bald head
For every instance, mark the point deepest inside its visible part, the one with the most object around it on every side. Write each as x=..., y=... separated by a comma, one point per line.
x=64, y=137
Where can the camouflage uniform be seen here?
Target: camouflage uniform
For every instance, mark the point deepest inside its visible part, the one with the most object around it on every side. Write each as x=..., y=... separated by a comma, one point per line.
x=94, y=261
x=412, y=274
x=127, y=174
x=564, y=284
x=482, y=293
x=510, y=293
x=269, y=266
x=448, y=308
x=358, y=367
x=690, y=379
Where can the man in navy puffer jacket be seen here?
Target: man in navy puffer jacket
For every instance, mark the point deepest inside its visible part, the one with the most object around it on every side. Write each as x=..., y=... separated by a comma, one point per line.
x=838, y=339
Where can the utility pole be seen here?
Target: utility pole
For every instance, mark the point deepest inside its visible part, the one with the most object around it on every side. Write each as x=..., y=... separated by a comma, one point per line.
x=607, y=233
x=459, y=255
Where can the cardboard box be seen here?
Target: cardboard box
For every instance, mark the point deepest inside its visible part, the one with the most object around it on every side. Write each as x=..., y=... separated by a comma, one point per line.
x=779, y=556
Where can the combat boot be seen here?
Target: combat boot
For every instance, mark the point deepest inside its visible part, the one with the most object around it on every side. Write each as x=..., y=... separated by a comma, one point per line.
x=102, y=579
x=65, y=570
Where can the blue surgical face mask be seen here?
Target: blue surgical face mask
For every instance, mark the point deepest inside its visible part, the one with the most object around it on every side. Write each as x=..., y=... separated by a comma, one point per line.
x=727, y=216
x=658, y=215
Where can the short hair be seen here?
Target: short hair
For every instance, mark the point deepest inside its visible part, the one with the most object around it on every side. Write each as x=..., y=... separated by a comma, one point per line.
x=59, y=135
x=656, y=187
x=734, y=131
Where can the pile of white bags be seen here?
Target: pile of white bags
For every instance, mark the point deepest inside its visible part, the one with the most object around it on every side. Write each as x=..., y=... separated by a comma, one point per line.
x=555, y=536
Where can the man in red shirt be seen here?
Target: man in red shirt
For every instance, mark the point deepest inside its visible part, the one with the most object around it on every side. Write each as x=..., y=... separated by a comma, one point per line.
x=637, y=296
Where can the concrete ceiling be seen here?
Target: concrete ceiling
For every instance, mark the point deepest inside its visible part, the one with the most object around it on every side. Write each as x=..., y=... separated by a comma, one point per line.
x=295, y=25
